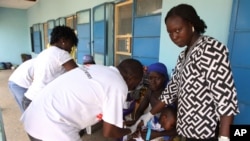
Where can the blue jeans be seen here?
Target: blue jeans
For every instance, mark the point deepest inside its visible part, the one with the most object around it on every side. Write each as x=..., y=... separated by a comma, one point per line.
x=18, y=93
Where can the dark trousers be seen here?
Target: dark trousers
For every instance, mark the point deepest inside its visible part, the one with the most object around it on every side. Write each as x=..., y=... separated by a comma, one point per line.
x=26, y=102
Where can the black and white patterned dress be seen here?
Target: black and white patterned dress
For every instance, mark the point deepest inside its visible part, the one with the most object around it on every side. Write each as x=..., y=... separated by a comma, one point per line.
x=204, y=85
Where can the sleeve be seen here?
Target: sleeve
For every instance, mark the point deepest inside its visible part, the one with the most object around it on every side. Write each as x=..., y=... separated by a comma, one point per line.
x=215, y=63
x=169, y=95
x=63, y=57
x=113, y=105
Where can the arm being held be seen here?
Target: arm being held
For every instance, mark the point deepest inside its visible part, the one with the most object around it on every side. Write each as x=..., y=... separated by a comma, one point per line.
x=146, y=117
x=111, y=131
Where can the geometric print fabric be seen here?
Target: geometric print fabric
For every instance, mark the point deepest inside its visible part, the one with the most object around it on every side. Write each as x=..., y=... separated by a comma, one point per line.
x=204, y=87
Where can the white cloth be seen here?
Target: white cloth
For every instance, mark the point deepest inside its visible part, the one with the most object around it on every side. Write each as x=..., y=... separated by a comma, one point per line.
x=23, y=74
x=73, y=101
x=47, y=66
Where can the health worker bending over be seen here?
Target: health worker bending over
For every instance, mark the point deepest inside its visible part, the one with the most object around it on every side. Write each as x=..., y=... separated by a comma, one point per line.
x=80, y=98
x=52, y=62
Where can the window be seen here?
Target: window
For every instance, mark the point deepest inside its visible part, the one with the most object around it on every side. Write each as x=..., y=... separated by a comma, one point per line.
x=123, y=31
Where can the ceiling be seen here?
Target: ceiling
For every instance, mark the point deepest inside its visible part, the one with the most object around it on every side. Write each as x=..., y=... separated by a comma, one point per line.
x=18, y=4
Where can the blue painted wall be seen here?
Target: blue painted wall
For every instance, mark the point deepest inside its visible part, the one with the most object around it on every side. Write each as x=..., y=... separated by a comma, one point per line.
x=14, y=35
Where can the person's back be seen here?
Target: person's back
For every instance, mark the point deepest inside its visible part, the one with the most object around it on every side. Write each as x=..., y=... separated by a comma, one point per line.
x=23, y=74
x=20, y=80
x=53, y=61
x=80, y=98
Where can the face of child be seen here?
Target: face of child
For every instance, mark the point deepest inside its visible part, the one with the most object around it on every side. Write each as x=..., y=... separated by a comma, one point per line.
x=168, y=123
x=156, y=81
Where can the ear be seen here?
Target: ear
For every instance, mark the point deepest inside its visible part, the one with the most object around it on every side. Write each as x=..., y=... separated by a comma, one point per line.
x=191, y=26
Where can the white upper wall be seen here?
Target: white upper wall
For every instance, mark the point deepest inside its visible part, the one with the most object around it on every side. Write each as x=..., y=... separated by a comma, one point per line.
x=216, y=15
x=46, y=10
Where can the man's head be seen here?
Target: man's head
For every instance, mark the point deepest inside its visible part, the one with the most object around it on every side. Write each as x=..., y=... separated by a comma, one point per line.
x=88, y=59
x=132, y=72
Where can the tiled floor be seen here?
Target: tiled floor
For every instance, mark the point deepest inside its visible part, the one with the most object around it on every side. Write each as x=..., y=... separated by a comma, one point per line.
x=11, y=114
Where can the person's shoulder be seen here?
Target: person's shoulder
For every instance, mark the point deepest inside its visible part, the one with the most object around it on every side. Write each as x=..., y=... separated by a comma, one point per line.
x=211, y=39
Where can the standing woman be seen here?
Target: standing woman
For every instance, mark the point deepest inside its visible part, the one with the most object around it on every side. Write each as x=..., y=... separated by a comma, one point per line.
x=53, y=61
x=202, y=81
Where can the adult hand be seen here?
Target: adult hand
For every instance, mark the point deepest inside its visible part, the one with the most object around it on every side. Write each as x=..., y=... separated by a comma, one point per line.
x=145, y=118
x=132, y=128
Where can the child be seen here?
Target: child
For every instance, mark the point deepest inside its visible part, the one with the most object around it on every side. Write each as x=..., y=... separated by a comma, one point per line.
x=159, y=129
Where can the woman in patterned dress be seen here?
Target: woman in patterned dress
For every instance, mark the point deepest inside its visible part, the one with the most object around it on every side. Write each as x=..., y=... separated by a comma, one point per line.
x=202, y=82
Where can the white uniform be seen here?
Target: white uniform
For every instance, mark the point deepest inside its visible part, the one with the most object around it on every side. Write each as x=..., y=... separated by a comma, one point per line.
x=47, y=66
x=74, y=101
x=23, y=74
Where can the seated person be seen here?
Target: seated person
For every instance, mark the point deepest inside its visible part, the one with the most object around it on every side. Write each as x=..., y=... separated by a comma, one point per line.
x=157, y=78
x=162, y=128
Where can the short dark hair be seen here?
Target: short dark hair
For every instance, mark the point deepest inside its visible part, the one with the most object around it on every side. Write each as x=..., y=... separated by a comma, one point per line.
x=188, y=13
x=63, y=32
x=131, y=67
x=169, y=110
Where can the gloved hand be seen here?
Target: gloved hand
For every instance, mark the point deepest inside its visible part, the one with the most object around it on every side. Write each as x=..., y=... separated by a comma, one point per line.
x=223, y=138
x=146, y=117
x=132, y=128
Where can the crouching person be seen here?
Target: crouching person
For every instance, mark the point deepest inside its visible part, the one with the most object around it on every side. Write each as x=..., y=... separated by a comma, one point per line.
x=80, y=98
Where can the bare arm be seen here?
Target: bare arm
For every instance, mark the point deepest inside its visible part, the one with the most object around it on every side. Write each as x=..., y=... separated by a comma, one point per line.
x=142, y=106
x=156, y=134
x=69, y=65
x=225, y=122
x=157, y=108
x=111, y=131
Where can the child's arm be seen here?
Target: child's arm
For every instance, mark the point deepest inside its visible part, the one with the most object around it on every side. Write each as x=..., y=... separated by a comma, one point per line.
x=155, y=134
